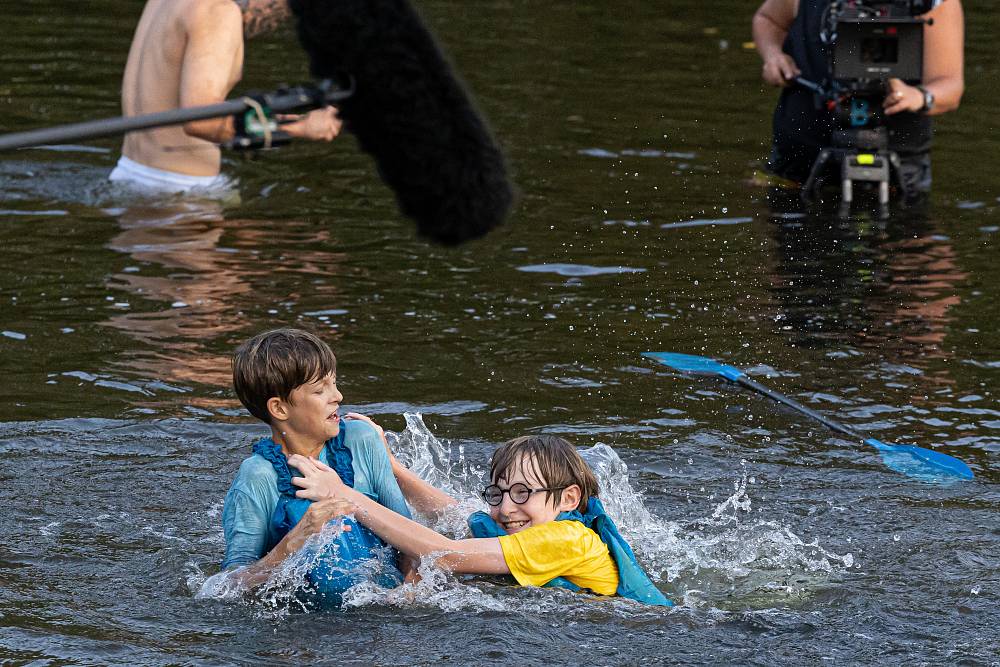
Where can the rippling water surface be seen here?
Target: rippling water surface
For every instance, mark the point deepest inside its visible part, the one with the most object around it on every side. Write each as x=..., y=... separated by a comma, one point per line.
x=634, y=133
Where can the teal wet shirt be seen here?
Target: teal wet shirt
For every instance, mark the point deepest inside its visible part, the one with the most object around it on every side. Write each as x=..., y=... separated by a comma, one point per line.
x=253, y=497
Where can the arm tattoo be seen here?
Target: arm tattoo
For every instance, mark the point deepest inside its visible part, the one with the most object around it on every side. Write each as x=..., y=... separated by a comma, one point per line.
x=262, y=16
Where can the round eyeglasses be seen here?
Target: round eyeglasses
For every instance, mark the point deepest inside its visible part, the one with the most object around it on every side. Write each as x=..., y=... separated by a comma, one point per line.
x=519, y=493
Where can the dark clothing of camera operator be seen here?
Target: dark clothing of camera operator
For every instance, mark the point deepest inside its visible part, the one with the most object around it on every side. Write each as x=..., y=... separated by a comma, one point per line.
x=787, y=34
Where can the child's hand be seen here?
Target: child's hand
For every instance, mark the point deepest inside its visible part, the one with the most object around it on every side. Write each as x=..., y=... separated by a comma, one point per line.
x=381, y=434
x=318, y=482
x=318, y=515
x=408, y=566
x=361, y=417
x=321, y=513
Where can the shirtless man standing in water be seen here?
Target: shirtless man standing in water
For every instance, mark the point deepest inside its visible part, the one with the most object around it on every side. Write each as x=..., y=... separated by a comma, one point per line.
x=189, y=53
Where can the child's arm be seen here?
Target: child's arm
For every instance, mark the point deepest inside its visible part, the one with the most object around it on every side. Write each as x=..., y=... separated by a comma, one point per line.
x=422, y=497
x=472, y=556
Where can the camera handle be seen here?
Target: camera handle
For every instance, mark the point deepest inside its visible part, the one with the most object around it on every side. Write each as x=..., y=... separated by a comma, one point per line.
x=815, y=87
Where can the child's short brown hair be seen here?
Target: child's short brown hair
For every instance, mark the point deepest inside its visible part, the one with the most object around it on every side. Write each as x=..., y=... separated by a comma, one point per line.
x=551, y=459
x=274, y=363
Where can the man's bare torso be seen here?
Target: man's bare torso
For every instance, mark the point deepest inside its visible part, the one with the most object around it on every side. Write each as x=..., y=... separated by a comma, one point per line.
x=157, y=62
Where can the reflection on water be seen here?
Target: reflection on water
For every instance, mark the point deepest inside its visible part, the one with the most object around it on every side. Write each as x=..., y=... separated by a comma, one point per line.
x=193, y=296
x=888, y=287
x=194, y=279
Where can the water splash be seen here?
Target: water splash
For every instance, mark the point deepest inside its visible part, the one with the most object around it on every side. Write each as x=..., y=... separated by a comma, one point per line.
x=444, y=466
x=729, y=558
x=288, y=587
x=730, y=554
x=435, y=588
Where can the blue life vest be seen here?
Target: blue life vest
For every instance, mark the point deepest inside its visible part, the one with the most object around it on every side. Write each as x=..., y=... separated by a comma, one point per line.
x=355, y=555
x=632, y=580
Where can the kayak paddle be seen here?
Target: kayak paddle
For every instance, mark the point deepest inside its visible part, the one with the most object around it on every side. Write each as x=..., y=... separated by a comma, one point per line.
x=925, y=464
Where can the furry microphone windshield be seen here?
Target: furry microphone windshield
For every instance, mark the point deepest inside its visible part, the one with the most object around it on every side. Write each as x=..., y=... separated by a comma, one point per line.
x=410, y=113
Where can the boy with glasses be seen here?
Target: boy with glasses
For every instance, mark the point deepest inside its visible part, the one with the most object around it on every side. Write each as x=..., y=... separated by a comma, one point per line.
x=546, y=526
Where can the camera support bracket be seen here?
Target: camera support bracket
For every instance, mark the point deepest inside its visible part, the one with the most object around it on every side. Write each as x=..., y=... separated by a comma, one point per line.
x=872, y=167
x=863, y=156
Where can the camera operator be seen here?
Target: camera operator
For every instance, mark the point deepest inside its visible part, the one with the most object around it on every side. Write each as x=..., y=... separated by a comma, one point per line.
x=787, y=36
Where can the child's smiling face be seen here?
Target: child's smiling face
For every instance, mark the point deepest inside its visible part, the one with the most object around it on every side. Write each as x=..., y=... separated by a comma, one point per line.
x=538, y=509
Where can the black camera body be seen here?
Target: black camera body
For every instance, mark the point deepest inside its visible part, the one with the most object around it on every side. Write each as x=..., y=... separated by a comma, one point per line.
x=876, y=40
x=879, y=49
x=869, y=42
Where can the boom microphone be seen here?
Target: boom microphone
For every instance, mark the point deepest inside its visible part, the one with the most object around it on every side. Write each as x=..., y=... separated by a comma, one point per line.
x=410, y=113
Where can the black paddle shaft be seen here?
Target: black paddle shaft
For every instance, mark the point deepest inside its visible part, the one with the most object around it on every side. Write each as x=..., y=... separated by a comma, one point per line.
x=280, y=101
x=780, y=398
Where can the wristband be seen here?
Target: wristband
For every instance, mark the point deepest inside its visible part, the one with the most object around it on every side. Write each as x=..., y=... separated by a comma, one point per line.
x=256, y=128
x=928, y=99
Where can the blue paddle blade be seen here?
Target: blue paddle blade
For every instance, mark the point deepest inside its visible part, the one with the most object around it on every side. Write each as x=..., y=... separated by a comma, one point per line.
x=924, y=464
x=917, y=462
x=689, y=363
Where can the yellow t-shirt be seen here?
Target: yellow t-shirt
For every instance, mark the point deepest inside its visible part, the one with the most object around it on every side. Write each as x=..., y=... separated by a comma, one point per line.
x=569, y=549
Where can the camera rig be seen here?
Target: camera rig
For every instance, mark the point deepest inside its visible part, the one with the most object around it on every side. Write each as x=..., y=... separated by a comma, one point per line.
x=868, y=42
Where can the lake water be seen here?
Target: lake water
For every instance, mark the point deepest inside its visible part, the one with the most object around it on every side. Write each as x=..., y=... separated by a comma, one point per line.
x=634, y=132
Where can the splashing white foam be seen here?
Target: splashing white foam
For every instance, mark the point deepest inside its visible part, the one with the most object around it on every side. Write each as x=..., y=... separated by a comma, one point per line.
x=288, y=587
x=444, y=466
x=435, y=588
x=730, y=553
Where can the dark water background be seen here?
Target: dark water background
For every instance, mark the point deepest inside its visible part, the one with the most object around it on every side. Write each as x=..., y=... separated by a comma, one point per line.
x=784, y=544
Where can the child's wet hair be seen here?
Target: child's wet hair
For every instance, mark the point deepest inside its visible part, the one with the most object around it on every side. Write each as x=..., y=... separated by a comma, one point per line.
x=274, y=363
x=551, y=460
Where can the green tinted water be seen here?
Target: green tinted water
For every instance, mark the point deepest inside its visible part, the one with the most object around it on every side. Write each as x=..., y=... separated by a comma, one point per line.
x=121, y=433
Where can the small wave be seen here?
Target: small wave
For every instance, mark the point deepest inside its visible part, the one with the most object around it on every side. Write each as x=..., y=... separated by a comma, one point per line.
x=723, y=555
x=287, y=588
x=322, y=313
x=71, y=148
x=54, y=212
x=577, y=270
x=706, y=222
x=641, y=152
x=447, y=409
x=626, y=223
x=104, y=381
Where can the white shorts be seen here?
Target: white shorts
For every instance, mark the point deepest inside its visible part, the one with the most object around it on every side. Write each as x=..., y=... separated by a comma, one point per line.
x=161, y=181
